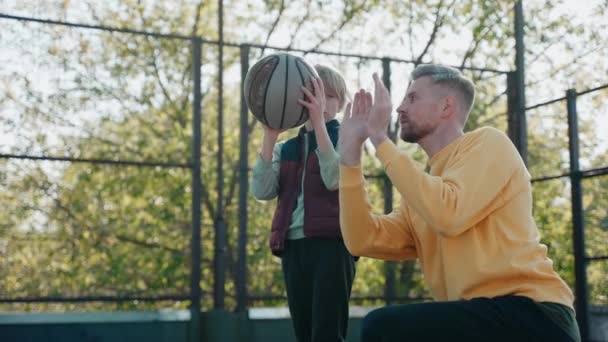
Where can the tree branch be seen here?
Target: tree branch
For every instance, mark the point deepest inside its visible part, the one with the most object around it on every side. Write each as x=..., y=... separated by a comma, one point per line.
x=439, y=18
x=197, y=18
x=233, y=180
x=350, y=15
x=125, y=238
x=300, y=24
x=474, y=45
x=207, y=203
x=436, y=25
x=555, y=71
x=274, y=26
x=186, y=74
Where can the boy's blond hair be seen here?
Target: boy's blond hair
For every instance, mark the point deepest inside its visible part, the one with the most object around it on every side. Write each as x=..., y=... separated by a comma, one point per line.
x=334, y=83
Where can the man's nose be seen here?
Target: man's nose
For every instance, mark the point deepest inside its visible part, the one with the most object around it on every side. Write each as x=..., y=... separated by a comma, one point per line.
x=402, y=110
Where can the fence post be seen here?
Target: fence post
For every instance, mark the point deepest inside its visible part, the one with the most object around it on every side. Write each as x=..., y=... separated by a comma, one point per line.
x=219, y=249
x=516, y=90
x=578, y=221
x=389, y=266
x=195, y=276
x=241, y=301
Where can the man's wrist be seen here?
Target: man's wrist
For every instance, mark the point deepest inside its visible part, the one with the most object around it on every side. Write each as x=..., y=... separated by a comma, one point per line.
x=378, y=139
x=350, y=155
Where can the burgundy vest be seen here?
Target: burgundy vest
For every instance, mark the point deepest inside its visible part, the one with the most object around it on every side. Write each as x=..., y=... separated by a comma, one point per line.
x=321, y=206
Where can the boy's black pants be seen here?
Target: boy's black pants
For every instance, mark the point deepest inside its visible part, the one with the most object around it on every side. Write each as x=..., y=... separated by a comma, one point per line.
x=318, y=274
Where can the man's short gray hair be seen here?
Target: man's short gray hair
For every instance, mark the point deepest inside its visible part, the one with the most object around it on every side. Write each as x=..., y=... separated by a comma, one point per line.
x=450, y=77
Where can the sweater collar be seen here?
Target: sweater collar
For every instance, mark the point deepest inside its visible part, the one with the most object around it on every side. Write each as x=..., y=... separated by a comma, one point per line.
x=331, y=125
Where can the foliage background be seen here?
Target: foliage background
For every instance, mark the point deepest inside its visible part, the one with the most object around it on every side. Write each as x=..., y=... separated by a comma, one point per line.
x=73, y=229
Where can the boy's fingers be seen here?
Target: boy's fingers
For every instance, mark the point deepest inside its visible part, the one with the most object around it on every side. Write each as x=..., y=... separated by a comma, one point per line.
x=307, y=92
x=304, y=103
x=321, y=86
x=317, y=87
x=309, y=95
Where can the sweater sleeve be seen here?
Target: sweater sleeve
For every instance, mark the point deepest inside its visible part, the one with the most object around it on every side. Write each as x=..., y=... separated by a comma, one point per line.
x=265, y=175
x=461, y=196
x=387, y=237
x=329, y=162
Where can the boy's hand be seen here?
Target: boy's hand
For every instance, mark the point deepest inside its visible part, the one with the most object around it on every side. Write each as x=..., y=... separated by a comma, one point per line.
x=315, y=103
x=270, y=138
x=272, y=133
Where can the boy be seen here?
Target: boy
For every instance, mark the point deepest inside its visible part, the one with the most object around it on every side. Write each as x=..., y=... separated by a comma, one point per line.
x=303, y=173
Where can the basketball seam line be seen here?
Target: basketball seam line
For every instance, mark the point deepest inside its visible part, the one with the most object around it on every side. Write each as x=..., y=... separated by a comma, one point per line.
x=255, y=74
x=303, y=82
x=312, y=74
x=285, y=94
x=266, y=92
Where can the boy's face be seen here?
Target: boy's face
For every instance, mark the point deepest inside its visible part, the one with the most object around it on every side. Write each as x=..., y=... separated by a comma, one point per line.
x=332, y=106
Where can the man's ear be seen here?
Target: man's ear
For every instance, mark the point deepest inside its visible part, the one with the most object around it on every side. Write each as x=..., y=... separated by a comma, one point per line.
x=448, y=106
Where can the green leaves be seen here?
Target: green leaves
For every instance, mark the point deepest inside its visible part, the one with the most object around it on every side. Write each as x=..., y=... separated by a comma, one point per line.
x=81, y=229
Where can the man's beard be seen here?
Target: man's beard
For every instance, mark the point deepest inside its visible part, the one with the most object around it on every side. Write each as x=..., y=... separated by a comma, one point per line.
x=412, y=133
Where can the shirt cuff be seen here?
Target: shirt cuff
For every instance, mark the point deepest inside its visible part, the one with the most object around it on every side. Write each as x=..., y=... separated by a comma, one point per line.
x=386, y=152
x=351, y=176
x=261, y=166
x=328, y=156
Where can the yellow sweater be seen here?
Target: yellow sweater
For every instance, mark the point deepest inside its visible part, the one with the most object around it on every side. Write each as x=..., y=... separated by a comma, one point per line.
x=469, y=221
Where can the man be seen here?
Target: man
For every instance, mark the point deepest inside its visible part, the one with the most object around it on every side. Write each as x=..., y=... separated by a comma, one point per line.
x=468, y=220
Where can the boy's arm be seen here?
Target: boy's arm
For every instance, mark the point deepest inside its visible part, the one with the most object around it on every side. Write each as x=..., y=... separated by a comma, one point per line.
x=387, y=237
x=324, y=144
x=463, y=195
x=329, y=163
x=265, y=175
x=328, y=158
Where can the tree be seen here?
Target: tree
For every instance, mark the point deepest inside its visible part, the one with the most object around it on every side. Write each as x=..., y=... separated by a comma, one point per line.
x=106, y=230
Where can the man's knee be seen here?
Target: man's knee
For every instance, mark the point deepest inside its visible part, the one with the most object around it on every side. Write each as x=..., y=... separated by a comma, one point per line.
x=394, y=322
x=371, y=328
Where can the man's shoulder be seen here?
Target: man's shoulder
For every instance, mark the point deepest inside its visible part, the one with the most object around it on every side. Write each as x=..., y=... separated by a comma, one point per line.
x=496, y=142
x=487, y=130
x=488, y=134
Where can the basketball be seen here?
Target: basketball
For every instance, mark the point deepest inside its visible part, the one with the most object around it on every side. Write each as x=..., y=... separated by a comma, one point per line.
x=273, y=86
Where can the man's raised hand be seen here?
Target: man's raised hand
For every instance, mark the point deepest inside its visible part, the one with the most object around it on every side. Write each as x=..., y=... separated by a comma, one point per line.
x=380, y=112
x=355, y=128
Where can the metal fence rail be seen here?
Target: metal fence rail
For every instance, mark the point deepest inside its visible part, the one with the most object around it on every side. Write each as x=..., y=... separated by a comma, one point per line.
x=194, y=164
x=517, y=132
x=576, y=176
